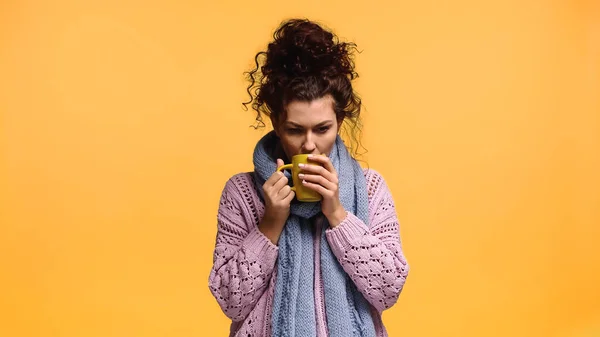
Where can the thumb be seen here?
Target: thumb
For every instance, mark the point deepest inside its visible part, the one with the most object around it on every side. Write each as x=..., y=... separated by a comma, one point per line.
x=279, y=162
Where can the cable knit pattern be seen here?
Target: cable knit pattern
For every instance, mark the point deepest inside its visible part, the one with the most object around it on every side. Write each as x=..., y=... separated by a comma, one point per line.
x=243, y=275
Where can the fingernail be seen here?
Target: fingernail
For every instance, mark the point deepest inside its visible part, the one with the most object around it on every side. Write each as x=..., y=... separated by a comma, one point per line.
x=301, y=175
x=300, y=165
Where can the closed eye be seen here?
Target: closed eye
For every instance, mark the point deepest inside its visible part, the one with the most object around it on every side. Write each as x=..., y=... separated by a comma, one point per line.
x=294, y=131
x=323, y=129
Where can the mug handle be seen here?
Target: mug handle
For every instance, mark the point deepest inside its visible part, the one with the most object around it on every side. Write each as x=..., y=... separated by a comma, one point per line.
x=287, y=167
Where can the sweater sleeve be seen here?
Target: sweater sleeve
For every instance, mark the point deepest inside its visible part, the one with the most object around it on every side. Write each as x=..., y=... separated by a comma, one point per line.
x=372, y=255
x=243, y=259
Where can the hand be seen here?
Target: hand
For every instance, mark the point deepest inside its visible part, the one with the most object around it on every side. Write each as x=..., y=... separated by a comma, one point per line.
x=324, y=180
x=278, y=196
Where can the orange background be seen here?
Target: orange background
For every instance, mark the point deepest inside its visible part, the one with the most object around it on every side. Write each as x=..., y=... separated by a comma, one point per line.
x=122, y=120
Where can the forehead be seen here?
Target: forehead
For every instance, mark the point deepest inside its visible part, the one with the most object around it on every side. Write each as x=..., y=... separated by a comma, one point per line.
x=310, y=112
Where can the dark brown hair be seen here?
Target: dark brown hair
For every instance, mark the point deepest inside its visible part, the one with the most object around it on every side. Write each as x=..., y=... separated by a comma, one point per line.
x=305, y=62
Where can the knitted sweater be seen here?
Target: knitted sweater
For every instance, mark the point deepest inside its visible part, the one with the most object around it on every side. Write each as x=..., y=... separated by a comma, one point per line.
x=243, y=275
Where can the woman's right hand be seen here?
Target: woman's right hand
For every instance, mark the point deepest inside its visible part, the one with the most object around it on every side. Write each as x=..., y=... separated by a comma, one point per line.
x=278, y=196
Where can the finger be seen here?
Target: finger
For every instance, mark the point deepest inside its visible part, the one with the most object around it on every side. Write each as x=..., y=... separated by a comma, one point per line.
x=274, y=178
x=279, y=163
x=284, y=191
x=319, y=170
x=288, y=199
x=279, y=184
x=318, y=188
x=276, y=175
x=324, y=160
x=318, y=179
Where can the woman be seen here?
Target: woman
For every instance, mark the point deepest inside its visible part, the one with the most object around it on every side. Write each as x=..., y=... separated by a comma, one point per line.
x=289, y=268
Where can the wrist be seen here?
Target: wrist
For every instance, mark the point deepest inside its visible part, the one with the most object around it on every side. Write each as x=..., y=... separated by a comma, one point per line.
x=337, y=217
x=271, y=228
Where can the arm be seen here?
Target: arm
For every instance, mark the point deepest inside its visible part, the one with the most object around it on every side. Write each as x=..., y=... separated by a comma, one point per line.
x=372, y=256
x=243, y=260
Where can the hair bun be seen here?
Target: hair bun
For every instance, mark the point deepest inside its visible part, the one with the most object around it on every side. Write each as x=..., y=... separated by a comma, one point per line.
x=302, y=48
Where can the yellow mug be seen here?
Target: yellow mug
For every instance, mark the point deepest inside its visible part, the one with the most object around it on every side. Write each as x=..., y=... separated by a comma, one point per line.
x=303, y=193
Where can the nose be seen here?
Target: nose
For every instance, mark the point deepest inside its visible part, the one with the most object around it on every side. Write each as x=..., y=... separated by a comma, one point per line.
x=309, y=145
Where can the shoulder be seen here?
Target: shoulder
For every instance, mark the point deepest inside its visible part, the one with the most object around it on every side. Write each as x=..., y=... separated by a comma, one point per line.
x=240, y=201
x=240, y=184
x=371, y=174
x=240, y=180
x=373, y=177
x=240, y=190
x=376, y=185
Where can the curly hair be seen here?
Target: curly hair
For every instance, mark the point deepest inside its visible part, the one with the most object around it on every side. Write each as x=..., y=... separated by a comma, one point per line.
x=305, y=62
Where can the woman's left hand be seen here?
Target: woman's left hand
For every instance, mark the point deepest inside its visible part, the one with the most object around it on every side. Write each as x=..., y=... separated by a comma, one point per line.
x=324, y=180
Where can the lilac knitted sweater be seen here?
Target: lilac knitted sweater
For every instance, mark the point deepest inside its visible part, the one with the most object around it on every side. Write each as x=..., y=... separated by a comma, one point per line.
x=243, y=275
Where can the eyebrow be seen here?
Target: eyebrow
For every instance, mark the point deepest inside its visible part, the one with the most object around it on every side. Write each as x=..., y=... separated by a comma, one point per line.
x=323, y=123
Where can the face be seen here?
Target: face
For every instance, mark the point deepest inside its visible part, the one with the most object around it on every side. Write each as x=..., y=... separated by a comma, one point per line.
x=309, y=127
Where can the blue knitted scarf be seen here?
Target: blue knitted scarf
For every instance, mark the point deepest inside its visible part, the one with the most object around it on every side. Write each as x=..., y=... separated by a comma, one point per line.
x=347, y=311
